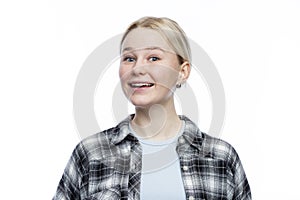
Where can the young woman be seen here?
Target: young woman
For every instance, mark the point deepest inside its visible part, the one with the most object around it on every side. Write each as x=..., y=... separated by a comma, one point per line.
x=154, y=153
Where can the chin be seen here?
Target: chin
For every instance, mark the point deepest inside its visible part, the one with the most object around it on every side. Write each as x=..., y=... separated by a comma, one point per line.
x=146, y=102
x=141, y=103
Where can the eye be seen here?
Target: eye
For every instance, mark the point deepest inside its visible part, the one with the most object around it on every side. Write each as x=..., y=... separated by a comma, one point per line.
x=154, y=58
x=128, y=59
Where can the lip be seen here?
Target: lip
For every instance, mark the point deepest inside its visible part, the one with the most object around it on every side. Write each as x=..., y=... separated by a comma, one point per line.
x=141, y=86
x=140, y=83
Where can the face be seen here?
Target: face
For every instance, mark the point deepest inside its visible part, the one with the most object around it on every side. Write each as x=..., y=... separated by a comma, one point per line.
x=149, y=68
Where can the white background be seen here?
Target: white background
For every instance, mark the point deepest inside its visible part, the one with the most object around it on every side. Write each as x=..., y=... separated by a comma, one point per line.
x=255, y=46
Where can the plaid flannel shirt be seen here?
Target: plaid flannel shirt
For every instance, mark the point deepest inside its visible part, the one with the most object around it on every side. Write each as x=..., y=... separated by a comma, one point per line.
x=108, y=165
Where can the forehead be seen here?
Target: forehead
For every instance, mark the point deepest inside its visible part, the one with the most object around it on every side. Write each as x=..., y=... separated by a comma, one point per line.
x=143, y=38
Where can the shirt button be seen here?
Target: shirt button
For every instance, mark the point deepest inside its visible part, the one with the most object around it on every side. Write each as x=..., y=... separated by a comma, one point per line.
x=185, y=168
x=191, y=198
x=134, y=167
x=181, y=140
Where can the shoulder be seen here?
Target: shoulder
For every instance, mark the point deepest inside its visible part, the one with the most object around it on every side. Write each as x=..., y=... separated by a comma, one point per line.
x=219, y=149
x=104, y=144
x=96, y=146
x=209, y=146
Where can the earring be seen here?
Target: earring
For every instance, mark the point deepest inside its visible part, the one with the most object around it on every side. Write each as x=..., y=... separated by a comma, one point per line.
x=178, y=85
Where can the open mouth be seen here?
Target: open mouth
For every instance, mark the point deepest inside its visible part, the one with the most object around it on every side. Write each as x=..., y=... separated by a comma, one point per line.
x=141, y=85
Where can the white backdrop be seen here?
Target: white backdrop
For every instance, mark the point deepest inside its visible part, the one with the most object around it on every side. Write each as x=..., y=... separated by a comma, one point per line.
x=255, y=46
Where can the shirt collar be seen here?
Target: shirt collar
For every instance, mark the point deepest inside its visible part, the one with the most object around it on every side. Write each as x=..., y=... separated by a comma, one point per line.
x=123, y=130
x=191, y=133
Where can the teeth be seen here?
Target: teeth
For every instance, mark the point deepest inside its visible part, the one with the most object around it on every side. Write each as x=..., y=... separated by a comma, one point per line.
x=141, y=84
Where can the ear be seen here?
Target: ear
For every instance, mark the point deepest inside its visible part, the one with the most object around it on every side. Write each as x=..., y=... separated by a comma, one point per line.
x=184, y=72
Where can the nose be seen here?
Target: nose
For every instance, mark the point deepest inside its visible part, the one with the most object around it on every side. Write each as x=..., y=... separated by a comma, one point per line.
x=139, y=68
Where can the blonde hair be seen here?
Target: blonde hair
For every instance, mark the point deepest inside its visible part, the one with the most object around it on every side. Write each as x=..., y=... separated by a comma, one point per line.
x=169, y=30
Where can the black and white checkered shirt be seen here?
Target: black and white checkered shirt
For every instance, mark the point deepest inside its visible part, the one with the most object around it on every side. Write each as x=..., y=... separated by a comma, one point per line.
x=108, y=165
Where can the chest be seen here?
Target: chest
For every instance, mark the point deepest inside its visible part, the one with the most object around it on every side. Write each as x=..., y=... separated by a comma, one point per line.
x=121, y=177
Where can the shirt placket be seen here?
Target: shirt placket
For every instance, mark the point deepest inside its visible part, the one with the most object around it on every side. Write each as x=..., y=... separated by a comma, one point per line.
x=134, y=181
x=184, y=150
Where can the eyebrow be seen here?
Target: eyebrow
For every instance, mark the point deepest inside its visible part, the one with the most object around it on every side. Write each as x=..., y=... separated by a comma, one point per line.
x=147, y=48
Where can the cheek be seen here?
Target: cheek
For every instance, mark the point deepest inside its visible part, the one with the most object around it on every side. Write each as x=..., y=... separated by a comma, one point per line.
x=165, y=76
x=123, y=75
x=123, y=72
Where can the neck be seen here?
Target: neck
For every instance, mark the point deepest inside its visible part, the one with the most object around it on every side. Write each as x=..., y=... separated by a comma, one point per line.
x=157, y=122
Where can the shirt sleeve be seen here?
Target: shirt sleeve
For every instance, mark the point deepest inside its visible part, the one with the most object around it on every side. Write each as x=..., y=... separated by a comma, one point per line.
x=240, y=187
x=70, y=183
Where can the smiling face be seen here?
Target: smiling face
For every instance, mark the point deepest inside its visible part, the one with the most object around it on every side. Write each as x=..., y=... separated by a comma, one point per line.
x=149, y=68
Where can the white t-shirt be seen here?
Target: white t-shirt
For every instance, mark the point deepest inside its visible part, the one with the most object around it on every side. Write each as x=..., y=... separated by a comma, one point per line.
x=161, y=174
